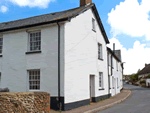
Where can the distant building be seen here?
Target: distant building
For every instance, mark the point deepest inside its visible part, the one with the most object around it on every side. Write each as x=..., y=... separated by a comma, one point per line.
x=144, y=72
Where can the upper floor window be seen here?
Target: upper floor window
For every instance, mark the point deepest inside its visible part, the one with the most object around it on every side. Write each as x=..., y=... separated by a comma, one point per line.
x=35, y=41
x=34, y=79
x=112, y=64
x=1, y=45
x=101, y=79
x=100, y=51
x=93, y=24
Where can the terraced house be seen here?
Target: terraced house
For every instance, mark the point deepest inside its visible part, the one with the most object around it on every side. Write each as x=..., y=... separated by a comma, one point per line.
x=62, y=53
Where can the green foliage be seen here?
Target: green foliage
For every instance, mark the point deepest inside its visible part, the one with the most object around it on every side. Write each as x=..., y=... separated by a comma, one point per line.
x=142, y=82
x=148, y=76
x=134, y=77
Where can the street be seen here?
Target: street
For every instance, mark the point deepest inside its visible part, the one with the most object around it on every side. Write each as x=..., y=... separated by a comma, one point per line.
x=138, y=102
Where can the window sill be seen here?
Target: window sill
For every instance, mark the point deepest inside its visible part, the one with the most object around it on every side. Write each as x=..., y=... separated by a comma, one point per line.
x=93, y=30
x=101, y=89
x=34, y=90
x=32, y=52
x=1, y=55
x=100, y=59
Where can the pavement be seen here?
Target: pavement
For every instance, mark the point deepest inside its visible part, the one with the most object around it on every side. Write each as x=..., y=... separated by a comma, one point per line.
x=99, y=106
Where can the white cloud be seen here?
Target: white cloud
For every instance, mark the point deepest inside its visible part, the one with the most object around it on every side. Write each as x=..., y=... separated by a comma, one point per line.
x=135, y=57
x=32, y=3
x=3, y=9
x=131, y=18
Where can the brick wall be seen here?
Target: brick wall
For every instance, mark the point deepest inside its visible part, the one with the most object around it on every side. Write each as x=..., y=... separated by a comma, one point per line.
x=25, y=102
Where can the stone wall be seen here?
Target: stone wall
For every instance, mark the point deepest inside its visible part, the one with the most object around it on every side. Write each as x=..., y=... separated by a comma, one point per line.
x=25, y=102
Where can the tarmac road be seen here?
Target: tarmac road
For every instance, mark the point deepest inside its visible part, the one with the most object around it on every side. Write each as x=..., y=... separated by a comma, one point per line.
x=138, y=102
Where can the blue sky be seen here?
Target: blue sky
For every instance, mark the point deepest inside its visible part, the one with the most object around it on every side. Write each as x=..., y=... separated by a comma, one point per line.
x=126, y=23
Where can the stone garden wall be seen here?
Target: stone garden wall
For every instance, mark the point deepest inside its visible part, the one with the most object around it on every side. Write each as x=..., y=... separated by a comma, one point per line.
x=35, y=102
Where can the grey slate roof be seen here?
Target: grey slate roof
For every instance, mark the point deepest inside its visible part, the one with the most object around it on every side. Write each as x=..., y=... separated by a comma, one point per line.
x=118, y=54
x=52, y=18
x=41, y=19
x=145, y=70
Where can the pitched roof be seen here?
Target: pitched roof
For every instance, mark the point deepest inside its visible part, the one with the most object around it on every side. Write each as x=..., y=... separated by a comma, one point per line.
x=118, y=54
x=145, y=70
x=52, y=18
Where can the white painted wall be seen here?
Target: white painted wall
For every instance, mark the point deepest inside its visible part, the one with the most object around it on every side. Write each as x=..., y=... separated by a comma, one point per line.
x=147, y=81
x=15, y=63
x=81, y=58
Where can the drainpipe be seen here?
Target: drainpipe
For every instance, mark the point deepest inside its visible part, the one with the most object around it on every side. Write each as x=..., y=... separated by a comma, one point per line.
x=59, y=103
x=108, y=72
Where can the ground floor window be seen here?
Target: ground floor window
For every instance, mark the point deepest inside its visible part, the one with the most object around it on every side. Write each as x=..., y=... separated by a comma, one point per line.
x=34, y=79
x=109, y=81
x=101, y=79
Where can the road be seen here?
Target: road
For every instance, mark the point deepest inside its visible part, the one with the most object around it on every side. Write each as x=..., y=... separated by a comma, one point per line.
x=138, y=102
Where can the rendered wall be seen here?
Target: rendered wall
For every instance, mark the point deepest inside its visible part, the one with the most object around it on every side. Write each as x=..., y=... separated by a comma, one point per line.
x=81, y=58
x=15, y=63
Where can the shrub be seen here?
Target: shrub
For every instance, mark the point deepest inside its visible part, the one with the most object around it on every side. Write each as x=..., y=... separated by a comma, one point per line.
x=141, y=82
x=148, y=76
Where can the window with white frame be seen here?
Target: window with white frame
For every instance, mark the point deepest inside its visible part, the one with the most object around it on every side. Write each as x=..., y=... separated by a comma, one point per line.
x=34, y=79
x=1, y=45
x=100, y=51
x=108, y=58
x=101, y=79
x=35, y=41
x=93, y=24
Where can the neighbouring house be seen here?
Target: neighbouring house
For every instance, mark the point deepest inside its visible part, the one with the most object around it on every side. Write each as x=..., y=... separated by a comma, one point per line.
x=115, y=69
x=144, y=72
x=62, y=53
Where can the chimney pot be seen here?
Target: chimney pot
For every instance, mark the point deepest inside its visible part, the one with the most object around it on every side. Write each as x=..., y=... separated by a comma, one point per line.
x=85, y=2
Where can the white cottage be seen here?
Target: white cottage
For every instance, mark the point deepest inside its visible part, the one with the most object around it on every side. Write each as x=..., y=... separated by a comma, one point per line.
x=62, y=53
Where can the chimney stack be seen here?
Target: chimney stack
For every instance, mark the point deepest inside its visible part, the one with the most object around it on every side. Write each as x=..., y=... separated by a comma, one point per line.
x=145, y=64
x=85, y=2
x=113, y=47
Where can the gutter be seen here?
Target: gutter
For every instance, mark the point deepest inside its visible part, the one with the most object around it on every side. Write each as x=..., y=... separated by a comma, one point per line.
x=34, y=25
x=59, y=103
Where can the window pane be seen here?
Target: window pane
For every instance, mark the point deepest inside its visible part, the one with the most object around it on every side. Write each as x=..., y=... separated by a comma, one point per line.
x=37, y=34
x=38, y=87
x=34, y=80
